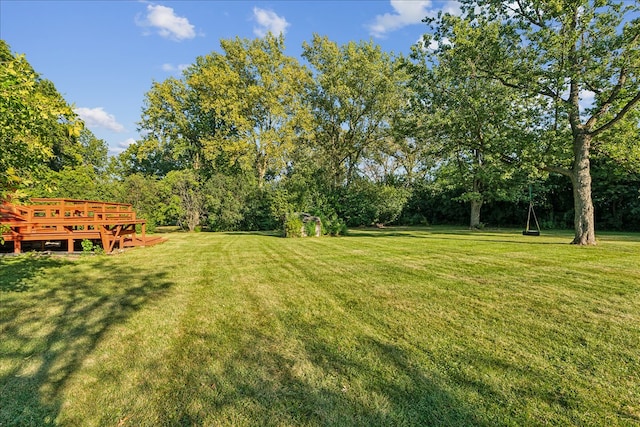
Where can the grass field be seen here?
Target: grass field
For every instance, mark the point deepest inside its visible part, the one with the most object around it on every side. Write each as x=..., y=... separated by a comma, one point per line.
x=431, y=326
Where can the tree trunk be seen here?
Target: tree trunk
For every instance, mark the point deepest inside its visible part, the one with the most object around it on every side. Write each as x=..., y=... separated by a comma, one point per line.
x=476, y=196
x=584, y=219
x=261, y=169
x=476, y=205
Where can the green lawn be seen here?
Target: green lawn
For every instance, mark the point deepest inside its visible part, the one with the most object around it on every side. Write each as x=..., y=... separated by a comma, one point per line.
x=431, y=326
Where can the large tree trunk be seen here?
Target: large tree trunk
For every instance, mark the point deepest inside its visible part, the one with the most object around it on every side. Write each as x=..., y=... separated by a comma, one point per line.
x=476, y=197
x=584, y=219
x=476, y=205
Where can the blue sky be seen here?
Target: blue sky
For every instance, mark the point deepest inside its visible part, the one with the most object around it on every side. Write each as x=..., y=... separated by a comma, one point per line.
x=103, y=56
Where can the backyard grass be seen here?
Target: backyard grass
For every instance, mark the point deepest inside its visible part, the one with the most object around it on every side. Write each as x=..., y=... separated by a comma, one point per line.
x=429, y=326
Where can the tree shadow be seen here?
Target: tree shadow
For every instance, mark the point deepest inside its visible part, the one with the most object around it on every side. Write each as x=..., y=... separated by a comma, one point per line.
x=270, y=233
x=515, y=237
x=261, y=381
x=19, y=272
x=53, y=314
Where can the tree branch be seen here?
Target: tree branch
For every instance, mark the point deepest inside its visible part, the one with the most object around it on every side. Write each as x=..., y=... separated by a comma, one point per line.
x=537, y=20
x=635, y=100
x=503, y=80
x=614, y=94
x=607, y=104
x=557, y=169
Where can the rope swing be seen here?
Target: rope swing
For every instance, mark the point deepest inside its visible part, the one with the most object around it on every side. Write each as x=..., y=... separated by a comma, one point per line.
x=528, y=231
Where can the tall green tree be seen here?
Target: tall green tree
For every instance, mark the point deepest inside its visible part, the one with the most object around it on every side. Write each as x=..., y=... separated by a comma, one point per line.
x=187, y=186
x=258, y=90
x=38, y=129
x=477, y=129
x=176, y=124
x=93, y=151
x=358, y=89
x=563, y=51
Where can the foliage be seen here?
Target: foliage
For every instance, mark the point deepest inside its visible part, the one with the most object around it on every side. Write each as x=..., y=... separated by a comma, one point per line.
x=367, y=203
x=258, y=90
x=3, y=229
x=175, y=124
x=356, y=93
x=480, y=144
x=558, y=52
x=310, y=228
x=87, y=245
x=37, y=127
x=152, y=200
x=186, y=185
x=293, y=226
x=616, y=194
x=247, y=135
x=226, y=201
x=332, y=225
x=80, y=182
x=93, y=151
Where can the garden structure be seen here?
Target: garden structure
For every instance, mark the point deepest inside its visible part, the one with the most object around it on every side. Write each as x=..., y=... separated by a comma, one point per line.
x=56, y=222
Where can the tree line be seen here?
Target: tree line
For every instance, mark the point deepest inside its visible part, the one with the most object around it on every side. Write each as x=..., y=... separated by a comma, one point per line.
x=506, y=97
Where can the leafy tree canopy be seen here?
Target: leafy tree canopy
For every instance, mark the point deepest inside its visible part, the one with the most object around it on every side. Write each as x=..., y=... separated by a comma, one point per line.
x=37, y=127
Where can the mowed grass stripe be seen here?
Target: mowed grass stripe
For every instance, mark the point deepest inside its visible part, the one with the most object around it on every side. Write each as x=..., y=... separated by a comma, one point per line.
x=391, y=327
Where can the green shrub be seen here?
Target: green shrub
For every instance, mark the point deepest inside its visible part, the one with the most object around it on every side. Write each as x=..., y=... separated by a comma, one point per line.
x=87, y=246
x=293, y=226
x=333, y=226
x=368, y=203
x=310, y=228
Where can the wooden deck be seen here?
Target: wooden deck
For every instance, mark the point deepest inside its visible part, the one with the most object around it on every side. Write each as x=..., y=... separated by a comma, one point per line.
x=54, y=221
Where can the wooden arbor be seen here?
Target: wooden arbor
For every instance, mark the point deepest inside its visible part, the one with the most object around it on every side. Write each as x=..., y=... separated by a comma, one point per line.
x=59, y=220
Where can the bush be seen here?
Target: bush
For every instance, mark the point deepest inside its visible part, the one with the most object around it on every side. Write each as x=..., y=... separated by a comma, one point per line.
x=87, y=245
x=293, y=226
x=333, y=226
x=310, y=228
x=367, y=203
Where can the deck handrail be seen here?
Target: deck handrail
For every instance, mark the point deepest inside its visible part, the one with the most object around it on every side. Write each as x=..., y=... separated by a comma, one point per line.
x=65, y=209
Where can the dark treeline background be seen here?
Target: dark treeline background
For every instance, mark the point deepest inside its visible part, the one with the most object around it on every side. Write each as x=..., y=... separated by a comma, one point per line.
x=247, y=136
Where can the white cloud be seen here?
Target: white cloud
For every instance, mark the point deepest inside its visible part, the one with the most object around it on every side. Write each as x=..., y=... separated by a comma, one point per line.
x=99, y=118
x=587, y=97
x=268, y=22
x=170, y=68
x=407, y=12
x=126, y=143
x=167, y=23
x=121, y=146
x=587, y=101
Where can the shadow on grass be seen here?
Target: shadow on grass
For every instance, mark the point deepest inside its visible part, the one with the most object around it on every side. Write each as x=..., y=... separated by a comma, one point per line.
x=495, y=236
x=261, y=383
x=53, y=314
x=271, y=233
x=19, y=272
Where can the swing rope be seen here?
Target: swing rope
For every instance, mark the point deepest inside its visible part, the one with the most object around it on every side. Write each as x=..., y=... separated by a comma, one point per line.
x=532, y=212
x=528, y=231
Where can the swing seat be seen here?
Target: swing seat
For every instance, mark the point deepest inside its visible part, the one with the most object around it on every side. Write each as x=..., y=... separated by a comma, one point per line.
x=531, y=233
